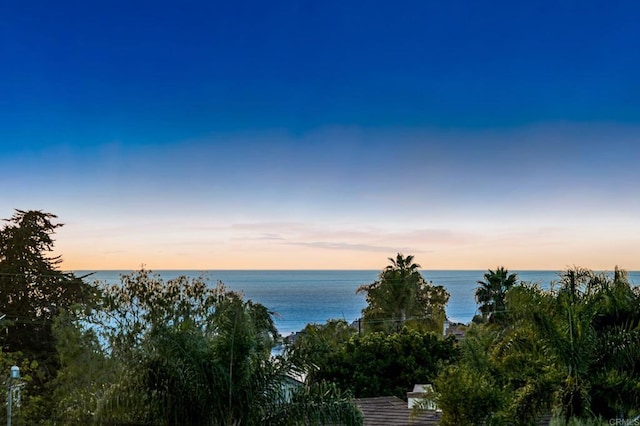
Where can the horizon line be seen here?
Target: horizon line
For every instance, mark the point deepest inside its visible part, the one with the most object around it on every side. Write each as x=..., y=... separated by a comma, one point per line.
x=328, y=269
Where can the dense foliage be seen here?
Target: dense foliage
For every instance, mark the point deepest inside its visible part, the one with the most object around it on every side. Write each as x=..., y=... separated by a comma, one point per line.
x=402, y=297
x=397, y=344
x=183, y=352
x=316, y=346
x=146, y=351
x=373, y=364
x=33, y=291
x=572, y=350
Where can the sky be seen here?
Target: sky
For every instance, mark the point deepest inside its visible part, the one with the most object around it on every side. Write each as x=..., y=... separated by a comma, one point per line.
x=325, y=135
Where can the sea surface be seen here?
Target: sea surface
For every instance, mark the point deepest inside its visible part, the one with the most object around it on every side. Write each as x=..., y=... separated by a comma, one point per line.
x=299, y=297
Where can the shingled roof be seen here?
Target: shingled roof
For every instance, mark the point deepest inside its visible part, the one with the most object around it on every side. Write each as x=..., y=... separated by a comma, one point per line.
x=392, y=411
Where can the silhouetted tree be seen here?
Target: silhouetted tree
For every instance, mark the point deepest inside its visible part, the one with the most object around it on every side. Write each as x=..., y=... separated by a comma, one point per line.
x=401, y=296
x=491, y=294
x=33, y=291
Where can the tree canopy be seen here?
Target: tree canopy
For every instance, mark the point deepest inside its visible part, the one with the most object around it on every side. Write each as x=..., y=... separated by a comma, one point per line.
x=401, y=296
x=371, y=364
x=491, y=294
x=32, y=288
x=572, y=349
x=33, y=291
x=184, y=352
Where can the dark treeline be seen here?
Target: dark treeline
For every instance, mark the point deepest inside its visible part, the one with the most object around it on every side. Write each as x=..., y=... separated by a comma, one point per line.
x=184, y=352
x=144, y=352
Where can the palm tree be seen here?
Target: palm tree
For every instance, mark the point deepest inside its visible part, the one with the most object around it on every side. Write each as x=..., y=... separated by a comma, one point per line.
x=401, y=294
x=403, y=277
x=586, y=334
x=491, y=293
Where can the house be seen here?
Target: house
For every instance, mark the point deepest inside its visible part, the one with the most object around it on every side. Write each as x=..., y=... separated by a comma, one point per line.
x=454, y=329
x=392, y=411
x=417, y=397
x=292, y=382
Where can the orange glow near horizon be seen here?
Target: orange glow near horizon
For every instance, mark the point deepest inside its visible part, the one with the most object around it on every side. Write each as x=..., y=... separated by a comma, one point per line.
x=454, y=258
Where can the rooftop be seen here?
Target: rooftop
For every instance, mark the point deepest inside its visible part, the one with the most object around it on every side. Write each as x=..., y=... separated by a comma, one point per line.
x=392, y=411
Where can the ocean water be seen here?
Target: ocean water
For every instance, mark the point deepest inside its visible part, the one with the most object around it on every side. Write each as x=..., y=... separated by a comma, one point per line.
x=299, y=297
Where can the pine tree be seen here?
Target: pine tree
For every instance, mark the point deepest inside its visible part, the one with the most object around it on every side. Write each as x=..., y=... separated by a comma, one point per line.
x=33, y=290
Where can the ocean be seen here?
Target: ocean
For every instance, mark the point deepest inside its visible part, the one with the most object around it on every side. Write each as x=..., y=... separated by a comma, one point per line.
x=299, y=297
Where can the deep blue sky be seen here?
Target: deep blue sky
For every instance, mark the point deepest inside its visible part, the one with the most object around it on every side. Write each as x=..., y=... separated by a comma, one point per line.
x=383, y=118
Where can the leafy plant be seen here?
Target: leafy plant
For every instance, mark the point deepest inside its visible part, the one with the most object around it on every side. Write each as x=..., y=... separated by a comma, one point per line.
x=400, y=297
